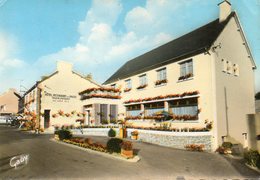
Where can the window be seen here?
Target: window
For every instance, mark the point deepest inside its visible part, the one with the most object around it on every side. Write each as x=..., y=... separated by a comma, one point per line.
x=113, y=112
x=103, y=112
x=128, y=84
x=143, y=80
x=133, y=110
x=161, y=74
x=229, y=67
x=236, y=69
x=224, y=62
x=186, y=70
x=113, y=85
x=152, y=108
x=184, y=107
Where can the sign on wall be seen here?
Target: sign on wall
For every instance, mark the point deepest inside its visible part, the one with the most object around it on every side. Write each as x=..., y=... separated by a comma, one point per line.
x=59, y=97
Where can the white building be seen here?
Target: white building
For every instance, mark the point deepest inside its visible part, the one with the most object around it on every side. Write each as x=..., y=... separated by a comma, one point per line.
x=55, y=100
x=203, y=77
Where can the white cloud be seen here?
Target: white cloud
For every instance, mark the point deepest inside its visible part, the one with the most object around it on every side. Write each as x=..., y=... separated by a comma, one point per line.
x=101, y=45
x=8, y=49
x=9, y=65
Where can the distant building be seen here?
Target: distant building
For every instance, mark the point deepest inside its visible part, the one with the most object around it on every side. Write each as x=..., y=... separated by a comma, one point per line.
x=9, y=102
x=204, y=76
x=55, y=99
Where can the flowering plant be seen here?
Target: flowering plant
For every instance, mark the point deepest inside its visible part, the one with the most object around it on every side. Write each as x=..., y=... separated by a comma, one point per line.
x=127, y=89
x=190, y=93
x=134, y=133
x=163, y=81
x=185, y=76
x=61, y=113
x=142, y=86
x=127, y=145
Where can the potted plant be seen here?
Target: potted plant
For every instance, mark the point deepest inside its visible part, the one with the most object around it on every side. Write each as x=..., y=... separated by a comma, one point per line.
x=56, y=135
x=134, y=135
x=127, y=149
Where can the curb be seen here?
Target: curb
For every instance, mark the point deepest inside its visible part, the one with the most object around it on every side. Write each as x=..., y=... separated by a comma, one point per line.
x=113, y=156
x=253, y=168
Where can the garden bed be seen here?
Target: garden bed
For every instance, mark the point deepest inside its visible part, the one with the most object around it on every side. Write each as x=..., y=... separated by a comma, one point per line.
x=107, y=155
x=113, y=147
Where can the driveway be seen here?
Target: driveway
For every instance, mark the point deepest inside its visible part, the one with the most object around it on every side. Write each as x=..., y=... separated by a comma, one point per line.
x=52, y=161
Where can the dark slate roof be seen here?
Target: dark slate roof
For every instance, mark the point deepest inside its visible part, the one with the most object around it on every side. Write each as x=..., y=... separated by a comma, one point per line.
x=188, y=45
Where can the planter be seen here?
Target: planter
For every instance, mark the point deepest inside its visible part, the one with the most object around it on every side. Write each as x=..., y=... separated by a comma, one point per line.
x=134, y=137
x=127, y=153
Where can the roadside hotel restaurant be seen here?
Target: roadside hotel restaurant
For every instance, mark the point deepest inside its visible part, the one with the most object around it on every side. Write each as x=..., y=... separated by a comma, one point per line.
x=203, y=80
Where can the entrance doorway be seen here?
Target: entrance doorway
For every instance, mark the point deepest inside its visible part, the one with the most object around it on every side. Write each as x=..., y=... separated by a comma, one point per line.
x=46, y=118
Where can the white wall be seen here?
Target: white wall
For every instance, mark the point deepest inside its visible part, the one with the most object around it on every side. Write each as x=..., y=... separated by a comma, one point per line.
x=239, y=89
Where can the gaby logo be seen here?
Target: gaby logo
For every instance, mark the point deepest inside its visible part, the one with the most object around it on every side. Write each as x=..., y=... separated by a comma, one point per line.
x=19, y=161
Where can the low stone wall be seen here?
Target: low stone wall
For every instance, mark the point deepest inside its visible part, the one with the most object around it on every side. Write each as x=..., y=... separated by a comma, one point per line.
x=175, y=139
x=164, y=138
x=93, y=131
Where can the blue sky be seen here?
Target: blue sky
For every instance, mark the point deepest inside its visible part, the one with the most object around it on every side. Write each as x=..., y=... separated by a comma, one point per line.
x=99, y=36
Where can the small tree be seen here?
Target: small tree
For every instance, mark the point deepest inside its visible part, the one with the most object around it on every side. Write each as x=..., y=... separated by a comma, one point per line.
x=111, y=133
x=257, y=96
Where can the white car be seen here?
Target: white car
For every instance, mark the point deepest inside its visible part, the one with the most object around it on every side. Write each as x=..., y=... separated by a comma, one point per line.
x=5, y=120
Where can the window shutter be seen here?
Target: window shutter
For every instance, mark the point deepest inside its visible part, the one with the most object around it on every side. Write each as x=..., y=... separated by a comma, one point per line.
x=97, y=116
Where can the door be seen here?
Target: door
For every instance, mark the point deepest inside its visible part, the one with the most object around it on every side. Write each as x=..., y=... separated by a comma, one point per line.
x=46, y=118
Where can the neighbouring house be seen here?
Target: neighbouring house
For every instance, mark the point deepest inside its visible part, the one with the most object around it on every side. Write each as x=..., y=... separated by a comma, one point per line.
x=55, y=99
x=204, y=78
x=9, y=103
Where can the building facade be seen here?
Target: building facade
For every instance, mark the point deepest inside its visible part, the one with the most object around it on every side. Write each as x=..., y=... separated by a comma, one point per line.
x=9, y=103
x=55, y=100
x=204, y=80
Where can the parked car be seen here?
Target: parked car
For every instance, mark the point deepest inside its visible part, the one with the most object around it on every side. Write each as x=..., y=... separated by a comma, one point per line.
x=5, y=120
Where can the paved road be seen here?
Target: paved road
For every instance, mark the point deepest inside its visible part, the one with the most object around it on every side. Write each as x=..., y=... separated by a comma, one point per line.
x=52, y=161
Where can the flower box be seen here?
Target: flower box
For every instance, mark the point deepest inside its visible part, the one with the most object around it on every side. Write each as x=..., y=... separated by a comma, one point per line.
x=127, y=89
x=142, y=86
x=127, y=153
x=159, y=82
x=134, y=137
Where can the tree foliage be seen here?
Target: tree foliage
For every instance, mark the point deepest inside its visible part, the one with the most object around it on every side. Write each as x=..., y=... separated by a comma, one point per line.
x=257, y=96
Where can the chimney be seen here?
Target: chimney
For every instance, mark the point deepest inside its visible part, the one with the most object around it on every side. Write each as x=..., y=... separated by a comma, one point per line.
x=224, y=10
x=63, y=66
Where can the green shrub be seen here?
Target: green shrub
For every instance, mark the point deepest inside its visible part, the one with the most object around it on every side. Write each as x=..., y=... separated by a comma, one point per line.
x=114, y=145
x=111, y=133
x=113, y=121
x=104, y=122
x=227, y=145
x=64, y=134
x=252, y=157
